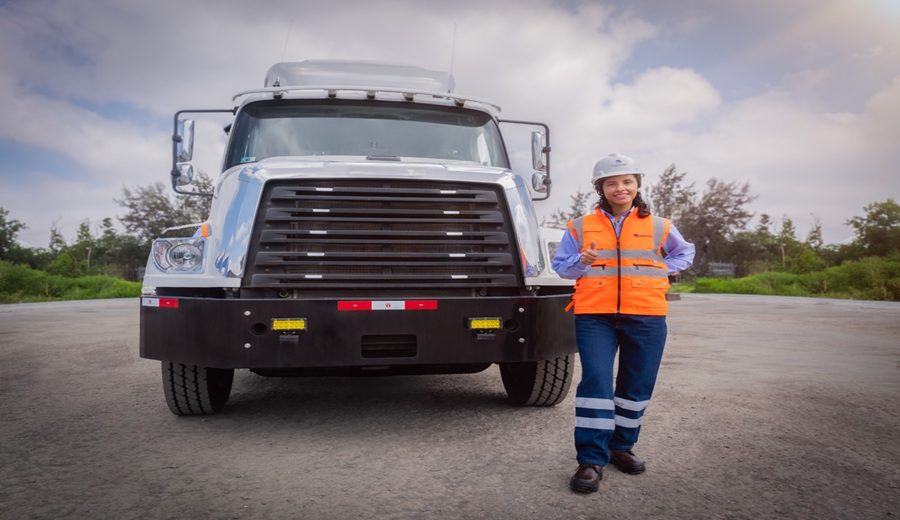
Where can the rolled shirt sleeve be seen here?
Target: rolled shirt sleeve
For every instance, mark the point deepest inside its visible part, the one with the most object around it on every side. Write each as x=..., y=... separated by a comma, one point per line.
x=679, y=252
x=567, y=261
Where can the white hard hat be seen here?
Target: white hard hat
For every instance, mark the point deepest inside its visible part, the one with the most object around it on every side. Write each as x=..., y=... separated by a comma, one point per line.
x=615, y=164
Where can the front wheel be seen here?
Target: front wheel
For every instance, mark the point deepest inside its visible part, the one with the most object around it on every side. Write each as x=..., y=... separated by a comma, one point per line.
x=195, y=390
x=538, y=383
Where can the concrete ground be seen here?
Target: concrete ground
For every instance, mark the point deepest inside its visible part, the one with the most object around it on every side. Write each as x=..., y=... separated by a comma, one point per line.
x=766, y=407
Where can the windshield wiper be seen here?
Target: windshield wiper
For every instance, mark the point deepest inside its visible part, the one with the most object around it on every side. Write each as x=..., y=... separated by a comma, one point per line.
x=382, y=157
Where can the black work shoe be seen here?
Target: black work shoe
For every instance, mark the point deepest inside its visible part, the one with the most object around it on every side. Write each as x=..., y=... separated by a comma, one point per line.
x=587, y=478
x=627, y=461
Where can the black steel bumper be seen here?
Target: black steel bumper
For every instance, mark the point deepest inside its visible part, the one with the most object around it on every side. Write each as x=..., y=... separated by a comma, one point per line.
x=236, y=333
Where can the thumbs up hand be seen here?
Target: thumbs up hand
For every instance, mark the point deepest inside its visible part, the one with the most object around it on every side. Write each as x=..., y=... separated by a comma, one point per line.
x=589, y=256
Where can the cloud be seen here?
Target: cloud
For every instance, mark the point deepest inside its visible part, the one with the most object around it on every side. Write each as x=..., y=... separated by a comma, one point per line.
x=108, y=149
x=883, y=129
x=561, y=63
x=659, y=99
x=640, y=119
x=47, y=200
x=799, y=160
x=60, y=59
x=808, y=78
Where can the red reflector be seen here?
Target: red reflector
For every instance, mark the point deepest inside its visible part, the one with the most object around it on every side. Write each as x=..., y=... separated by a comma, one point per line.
x=165, y=303
x=421, y=305
x=354, y=305
x=385, y=305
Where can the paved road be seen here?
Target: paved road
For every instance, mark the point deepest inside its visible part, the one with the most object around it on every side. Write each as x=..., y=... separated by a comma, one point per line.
x=766, y=407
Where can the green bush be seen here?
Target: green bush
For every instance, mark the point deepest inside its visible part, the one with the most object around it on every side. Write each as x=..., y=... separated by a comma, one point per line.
x=20, y=283
x=63, y=265
x=874, y=278
x=681, y=288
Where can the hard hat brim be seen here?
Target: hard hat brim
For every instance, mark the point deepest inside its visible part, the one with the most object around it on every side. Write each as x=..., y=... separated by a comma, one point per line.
x=596, y=178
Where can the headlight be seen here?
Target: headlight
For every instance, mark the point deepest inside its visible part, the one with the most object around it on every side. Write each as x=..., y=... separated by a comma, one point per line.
x=184, y=255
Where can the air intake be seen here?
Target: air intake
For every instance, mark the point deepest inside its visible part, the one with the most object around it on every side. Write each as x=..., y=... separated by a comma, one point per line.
x=389, y=346
x=381, y=234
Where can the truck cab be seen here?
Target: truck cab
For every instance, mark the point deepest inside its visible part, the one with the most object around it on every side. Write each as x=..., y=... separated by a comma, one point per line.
x=366, y=221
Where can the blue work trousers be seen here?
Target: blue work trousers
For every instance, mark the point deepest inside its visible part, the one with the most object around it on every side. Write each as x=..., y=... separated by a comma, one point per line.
x=608, y=419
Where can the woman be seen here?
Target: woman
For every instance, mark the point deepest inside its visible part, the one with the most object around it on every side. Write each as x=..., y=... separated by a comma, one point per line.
x=621, y=257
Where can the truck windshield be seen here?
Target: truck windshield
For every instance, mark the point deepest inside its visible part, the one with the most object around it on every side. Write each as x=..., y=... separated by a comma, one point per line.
x=380, y=129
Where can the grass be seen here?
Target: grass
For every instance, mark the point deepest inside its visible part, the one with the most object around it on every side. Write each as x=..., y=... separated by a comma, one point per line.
x=873, y=278
x=20, y=283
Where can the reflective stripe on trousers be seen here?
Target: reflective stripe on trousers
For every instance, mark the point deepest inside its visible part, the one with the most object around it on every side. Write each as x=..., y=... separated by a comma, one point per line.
x=608, y=418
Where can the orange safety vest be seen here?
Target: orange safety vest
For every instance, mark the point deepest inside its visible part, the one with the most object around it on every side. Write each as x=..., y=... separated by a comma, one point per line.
x=630, y=276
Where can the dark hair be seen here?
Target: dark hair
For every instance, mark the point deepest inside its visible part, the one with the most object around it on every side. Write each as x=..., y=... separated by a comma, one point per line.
x=643, y=207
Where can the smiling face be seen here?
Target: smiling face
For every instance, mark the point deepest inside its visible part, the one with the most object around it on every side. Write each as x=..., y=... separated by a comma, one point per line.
x=620, y=191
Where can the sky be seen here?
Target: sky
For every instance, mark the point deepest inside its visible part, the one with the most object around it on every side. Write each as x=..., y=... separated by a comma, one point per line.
x=800, y=98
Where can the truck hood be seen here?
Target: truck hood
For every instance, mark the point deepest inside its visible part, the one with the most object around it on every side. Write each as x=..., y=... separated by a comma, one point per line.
x=238, y=192
x=344, y=167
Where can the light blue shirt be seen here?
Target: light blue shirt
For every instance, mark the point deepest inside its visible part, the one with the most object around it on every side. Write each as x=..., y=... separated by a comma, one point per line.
x=567, y=261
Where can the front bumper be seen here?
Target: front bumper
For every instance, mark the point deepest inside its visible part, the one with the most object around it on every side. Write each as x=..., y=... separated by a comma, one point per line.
x=235, y=333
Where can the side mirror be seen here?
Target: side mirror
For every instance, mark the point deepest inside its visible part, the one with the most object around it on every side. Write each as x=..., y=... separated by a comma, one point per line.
x=184, y=140
x=184, y=175
x=540, y=183
x=540, y=158
x=537, y=152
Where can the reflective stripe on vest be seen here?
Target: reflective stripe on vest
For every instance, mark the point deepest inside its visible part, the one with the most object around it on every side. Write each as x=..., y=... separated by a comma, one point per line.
x=639, y=284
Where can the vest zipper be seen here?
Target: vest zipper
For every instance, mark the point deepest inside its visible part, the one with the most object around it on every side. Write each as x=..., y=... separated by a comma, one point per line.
x=619, y=275
x=619, y=260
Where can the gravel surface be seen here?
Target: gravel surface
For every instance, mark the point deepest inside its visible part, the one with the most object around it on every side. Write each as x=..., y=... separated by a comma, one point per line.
x=766, y=407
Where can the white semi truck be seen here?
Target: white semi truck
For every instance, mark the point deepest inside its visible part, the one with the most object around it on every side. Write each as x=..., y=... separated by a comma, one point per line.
x=366, y=221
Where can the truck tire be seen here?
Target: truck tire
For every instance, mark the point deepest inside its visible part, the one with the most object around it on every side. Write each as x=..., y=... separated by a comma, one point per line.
x=195, y=390
x=538, y=383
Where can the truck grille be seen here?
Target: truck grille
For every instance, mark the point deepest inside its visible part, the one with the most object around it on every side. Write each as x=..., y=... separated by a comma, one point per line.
x=365, y=234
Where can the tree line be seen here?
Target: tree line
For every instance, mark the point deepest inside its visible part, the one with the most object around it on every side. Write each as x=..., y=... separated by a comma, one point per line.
x=715, y=219
x=149, y=210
